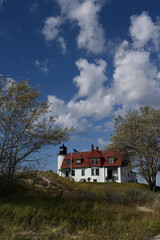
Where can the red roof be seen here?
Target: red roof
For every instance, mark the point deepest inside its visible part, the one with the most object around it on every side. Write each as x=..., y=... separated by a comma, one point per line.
x=86, y=157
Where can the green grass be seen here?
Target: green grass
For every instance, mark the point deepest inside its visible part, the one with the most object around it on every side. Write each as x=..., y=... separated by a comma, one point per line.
x=69, y=210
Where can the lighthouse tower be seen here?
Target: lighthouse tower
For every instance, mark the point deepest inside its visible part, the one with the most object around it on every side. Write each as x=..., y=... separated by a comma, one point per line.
x=61, y=156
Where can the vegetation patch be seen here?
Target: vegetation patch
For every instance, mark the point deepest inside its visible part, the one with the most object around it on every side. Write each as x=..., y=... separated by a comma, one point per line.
x=36, y=210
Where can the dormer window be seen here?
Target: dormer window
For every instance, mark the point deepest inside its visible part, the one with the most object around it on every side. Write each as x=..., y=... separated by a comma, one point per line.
x=94, y=161
x=68, y=162
x=110, y=160
x=78, y=162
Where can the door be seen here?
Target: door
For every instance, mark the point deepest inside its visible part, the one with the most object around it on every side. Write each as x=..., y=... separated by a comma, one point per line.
x=109, y=174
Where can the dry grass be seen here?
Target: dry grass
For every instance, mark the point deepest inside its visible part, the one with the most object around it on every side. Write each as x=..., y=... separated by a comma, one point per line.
x=45, y=206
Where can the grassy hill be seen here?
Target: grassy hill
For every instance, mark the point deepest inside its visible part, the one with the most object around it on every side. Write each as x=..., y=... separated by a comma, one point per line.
x=45, y=206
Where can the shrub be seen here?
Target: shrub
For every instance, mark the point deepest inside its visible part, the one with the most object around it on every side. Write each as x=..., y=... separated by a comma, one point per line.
x=114, y=196
x=86, y=195
x=136, y=195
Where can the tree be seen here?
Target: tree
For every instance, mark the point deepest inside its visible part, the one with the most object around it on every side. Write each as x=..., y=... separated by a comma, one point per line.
x=137, y=135
x=24, y=126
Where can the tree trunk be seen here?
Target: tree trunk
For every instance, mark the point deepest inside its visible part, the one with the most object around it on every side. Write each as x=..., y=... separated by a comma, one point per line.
x=152, y=184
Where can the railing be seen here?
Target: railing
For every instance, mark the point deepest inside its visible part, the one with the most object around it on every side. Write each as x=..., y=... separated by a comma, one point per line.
x=112, y=179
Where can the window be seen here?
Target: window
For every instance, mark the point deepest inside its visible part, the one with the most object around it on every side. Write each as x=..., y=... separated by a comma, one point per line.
x=95, y=171
x=78, y=162
x=83, y=172
x=94, y=180
x=68, y=162
x=94, y=161
x=110, y=160
x=73, y=173
x=92, y=172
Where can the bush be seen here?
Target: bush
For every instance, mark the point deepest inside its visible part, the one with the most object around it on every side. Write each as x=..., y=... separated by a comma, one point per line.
x=86, y=195
x=136, y=195
x=114, y=196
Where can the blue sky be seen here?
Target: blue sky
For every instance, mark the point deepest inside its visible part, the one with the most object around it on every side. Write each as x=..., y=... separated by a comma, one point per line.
x=93, y=59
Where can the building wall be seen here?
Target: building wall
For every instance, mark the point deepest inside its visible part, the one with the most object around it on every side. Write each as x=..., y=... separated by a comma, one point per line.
x=128, y=175
x=99, y=178
x=60, y=160
x=120, y=174
x=103, y=173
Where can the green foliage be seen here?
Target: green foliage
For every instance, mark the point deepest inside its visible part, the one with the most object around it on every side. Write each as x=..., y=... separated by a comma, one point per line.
x=25, y=126
x=137, y=136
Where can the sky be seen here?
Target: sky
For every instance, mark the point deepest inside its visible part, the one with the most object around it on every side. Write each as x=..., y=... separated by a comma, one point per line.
x=92, y=59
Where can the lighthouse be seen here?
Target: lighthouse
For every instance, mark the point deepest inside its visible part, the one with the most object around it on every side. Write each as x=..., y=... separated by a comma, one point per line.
x=61, y=155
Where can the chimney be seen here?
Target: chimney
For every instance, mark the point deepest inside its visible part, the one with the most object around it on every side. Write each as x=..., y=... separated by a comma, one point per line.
x=92, y=148
x=97, y=148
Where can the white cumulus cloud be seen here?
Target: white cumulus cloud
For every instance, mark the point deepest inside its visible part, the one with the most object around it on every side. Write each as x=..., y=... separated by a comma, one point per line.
x=83, y=14
x=51, y=31
x=135, y=77
x=51, y=28
x=91, y=79
x=143, y=30
x=102, y=143
x=94, y=103
x=135, y=82
x=62, y=44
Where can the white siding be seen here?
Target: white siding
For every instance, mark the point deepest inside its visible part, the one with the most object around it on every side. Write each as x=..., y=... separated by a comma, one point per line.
x=60, y=160
x=78, y=174
x=128, y=175
x=121, y=174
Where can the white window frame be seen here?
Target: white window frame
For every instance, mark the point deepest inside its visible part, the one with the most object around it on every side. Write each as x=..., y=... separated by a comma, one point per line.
x=93, y=172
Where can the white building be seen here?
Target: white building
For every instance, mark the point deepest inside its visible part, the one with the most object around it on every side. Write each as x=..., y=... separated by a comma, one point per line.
x=94, y=166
